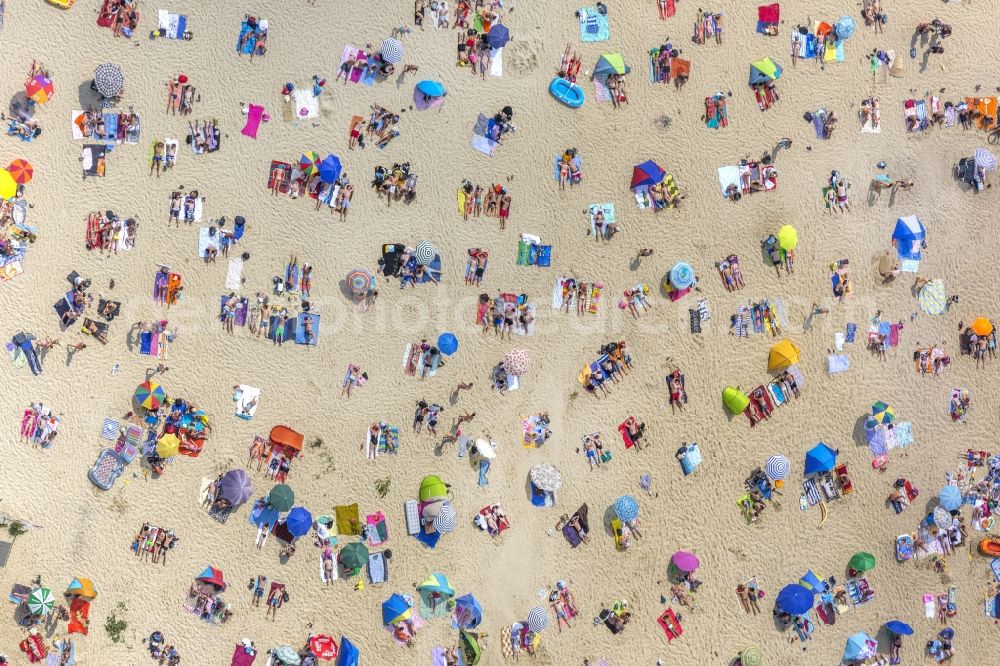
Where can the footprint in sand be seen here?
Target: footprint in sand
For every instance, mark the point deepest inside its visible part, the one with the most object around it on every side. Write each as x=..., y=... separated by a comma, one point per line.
x=522, y=57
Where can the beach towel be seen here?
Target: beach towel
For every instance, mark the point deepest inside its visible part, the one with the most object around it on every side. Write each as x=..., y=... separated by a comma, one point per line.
x=376, y=529
x=602, y=93
x=300, y=329
x=594, y=26
x=767, y=15
x=246, y=403
x=206, y=242
x=378, y=568
x=348, y=520
x=496, y=62
x=234, y=273
x=429, y=540
x=729, y=175
x=484, y=468
x=483, y=145
x=254, y=118
x=93, y=160
x=172, y=26
x=669, y=624
x=246, y=42
x=837, y=363
x=305, y=105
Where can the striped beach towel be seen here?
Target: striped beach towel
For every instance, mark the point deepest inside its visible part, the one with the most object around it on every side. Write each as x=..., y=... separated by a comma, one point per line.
x=109, y=430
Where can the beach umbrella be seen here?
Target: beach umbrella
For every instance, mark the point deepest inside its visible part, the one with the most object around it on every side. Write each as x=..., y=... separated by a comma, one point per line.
x=349, y=653
x=83, y=588
x=168, y=445
x=395, y=609
x=8, y=186
x=447, y=343
x=538, y=619
x=424, y=253
x=611, y=63
x=329, y=169
x=777, y=467
x=264, y=514
x=647, y=173
x=763, y=71
x=309, y=162
x=899, y=628
x=359, y=281
x=820, y=458
x=950, y=498
x=109, y=80
x=41, y=600
x=470, y=647
x=281, y=497
x=39, y=89
x=431, y=88
x=982, y=326
x=682, y=560
x=844, y=27
x=788, y=238
x=391, y=50
x=498, y=36
x=942, y=517
x=783, y=354
x=681, y=275
x=468, y=612
x=626, y=508
x=299, y=521
x=751, y=656
x=323, y=647
x=883, y=413
x=287, y=655
x=446, y=519
x=860, y=646
x=150, y=395
x=985, y=159
x=931, y=298
x=354, y=555
x=862, y=562
x=486, y=449
x=545, y=477
x=794, y=599
x=21, y=171
x=908, y=236
x=236, y=487
x=212, y=576
x=516, y=362
x=437, y=582
x=735, y=400
x=432, y=488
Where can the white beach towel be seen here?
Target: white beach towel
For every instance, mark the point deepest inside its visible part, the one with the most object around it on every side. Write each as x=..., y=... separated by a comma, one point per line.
x=729, y=175
x=837, y=363
x=496, y=62
x=483, y=145
x=206, y=242
x=250, y=395
x=305, y=105
x=234, y=274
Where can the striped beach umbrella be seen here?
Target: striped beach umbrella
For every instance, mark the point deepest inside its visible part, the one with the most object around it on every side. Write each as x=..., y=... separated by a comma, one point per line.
x=39, y=89
x=309, y=162
x=626, y=508
x=985, y=159
x=538, y=619
x=424, y=253
x=391, y=50
x=777, y=467
x=931, y=298
x=359, y=281
x=883, y=413
x=21, y=171
x=681, y=275
x=41, y=600
x=109, y=80
x=446, y=519
x=751, y=656
x=150, y=395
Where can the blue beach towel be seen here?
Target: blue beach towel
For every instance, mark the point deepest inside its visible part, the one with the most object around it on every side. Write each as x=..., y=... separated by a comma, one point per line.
x=544, y=256
x=110, y=127
x=300, y=329
x=484, y=469
x=429, y=540
x=290, y=327
x=852, y=331
x=595, y=27
x=251, y=42
x=145, y=343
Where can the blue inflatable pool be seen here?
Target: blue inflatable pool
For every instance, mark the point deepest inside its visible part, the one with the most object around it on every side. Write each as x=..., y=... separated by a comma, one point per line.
x=568, y=93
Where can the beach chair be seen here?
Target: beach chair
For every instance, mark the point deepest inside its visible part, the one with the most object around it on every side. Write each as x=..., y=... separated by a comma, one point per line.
x=846, y=486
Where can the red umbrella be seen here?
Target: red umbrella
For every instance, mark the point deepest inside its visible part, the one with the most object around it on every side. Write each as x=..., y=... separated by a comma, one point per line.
x=21, y=170
x=323, y=647
x=39, y=89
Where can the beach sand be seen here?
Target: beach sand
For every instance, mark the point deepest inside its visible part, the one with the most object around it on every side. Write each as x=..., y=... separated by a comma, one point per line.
x=87, y=532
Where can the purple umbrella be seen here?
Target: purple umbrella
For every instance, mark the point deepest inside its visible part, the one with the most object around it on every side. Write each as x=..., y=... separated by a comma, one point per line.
x=685, y=561
x=235, y=487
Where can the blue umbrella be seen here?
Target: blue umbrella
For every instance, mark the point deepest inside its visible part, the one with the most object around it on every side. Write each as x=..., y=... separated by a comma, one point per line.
x=498, y=36
x=447, y=343
x=899, y=628
x=820, y=458
x=794, y=599
x=329, y=169
x=950, y=498
x=626, y=508
x=394, y=609
x=348, y=653
x=299, y=521
x=908, y=236
x=431, y=88
x=681, y=275
x=844, y=27
x=859, y=646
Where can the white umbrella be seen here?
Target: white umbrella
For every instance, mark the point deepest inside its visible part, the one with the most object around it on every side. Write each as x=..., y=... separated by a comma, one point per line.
x=985, y=159
x=391, y=50
x=538, y=619
x=445, y=521
x=424, y=253
x=545, y=477
x=486, y=449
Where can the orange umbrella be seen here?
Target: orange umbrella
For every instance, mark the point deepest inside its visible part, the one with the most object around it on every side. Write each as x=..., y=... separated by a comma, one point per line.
x=21, y=170
x=982, y=326
x=39, y=89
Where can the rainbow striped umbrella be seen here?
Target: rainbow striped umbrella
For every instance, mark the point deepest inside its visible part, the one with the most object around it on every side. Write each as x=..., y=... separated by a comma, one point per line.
x=21, y=171
x=39, y=89
x=309, y=162
x=150, y=395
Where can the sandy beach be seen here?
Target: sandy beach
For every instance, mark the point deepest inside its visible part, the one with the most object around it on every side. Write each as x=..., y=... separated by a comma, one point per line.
x=82, y=531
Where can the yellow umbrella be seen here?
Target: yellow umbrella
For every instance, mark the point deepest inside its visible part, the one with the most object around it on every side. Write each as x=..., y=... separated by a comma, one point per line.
x=8, y=186
x=788, y=238
x=982, y=326
x=168, y=446
x=783, y=354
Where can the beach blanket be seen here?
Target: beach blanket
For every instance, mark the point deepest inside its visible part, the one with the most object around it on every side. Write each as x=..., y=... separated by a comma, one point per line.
x=172, y=26
x=206, y=242
x=609, y=216
x=92, y=160
x=300, y=329
x=594, y=26
x=602, y=93
x=496, y=62
x=348, y=520
x=254, y=117
x=728, y=175
x=837, y=363
x=246, y=403
x=767, y=15
x=234, y=274
x=305, y=105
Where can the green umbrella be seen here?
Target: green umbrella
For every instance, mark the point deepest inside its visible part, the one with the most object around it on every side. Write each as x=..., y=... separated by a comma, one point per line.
x=751, y=656
x=354, y=555
x=432, y=487
x=735, y=399
x=281, y=497
x=41, y=600
x=862, y=562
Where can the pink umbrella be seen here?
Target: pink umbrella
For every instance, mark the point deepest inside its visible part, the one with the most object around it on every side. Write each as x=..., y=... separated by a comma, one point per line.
x=684, y=561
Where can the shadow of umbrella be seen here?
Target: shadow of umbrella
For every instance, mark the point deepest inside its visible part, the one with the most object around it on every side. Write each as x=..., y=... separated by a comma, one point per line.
x=88, y=96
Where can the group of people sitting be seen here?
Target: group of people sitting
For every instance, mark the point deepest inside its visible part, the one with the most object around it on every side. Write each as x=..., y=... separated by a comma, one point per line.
x=107, y=232
x=205, y=602
x=396, y=183
x=870, y=112
x=122, y=16
x=474, y=52
x=979, y=346
x=204, y=136
x=381, y=128
x=614, y=361
x=153, y=541
x=507, y=313
x=93, y=126
x=492, y=520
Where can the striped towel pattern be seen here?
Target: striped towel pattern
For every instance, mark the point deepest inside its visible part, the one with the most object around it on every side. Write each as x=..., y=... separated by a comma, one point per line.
x=601, y=91
x=109, y=430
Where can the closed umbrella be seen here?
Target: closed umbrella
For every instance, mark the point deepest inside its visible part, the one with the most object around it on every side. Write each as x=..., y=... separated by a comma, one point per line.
x=359, y=281
x=751, y=656
x=985, y=159
x=626, y=508
x=431, y=88
x=545, y=477
x=681, y=275
x=109, y=80
x=682, y=560
x=8, y=186
x=862, y=562
x=982, y=326
x=236, y=487
x=309, y=162
x=516, y=362
x=447, y=343
x=883, y=413
x=498, y=36
x=323, y=647
x=432, y=488
x=287, y=655
x=794, y=599
x=950, y=498
x=39, y=89
x=424, y=253
x=932, y=299
x=538, y=619
x=899, y=628
x=777, y=467
x=395, y=609
x=329, y=169
x=788, y=238
x=354, y=555
x=820, y=458
x=168, y=445
x=391, y=50
x=21, y=171
x=299, y=521
x=41, y=600
x=782, y=355
x=150, y=395
x=281, y=497
x=445, y=521
x=860, y=646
